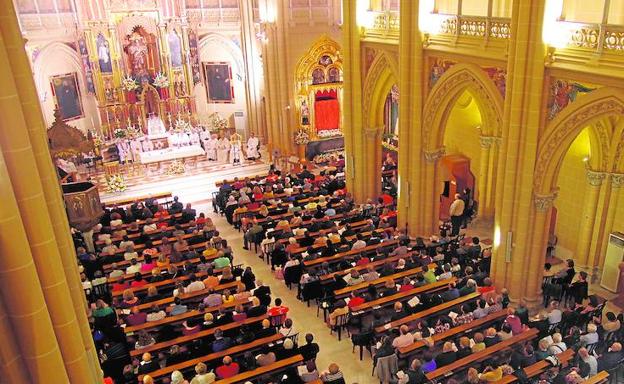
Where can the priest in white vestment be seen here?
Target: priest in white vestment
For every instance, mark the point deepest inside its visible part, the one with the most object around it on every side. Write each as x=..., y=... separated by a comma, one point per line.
x=236, y=148
x=253, y=144
x=194, y=137
x=223, y=149
x=210, y=146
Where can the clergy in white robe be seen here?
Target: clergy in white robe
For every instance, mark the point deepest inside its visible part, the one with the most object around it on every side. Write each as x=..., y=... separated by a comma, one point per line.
x=210, y=146
x=194, y=137
x=236, y=148
x=147, y=145
x=123, y=149
x=253, y=144
x=223, y=149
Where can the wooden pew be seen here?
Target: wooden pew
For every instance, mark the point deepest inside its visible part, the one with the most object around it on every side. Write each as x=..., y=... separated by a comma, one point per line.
x=219, y=183
x=215, y=356
x=427, y=312
x=169, y=320
x=600, y=378
x=129, y=200
x=466, y=362
x=375, y=264
x=267, y=369
x=463, y=329
x=186, y=297
x=189, y=338
x=138, y=247
x=340, y=255
x=538, y=368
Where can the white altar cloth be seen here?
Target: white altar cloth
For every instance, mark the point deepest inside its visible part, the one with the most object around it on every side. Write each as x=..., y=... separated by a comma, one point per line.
x=171, y=153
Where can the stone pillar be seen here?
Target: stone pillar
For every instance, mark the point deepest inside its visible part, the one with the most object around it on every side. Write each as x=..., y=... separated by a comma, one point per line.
x=352, y=123
x=432, y=199
x=372, y=149
x=615, y=187
x=588, y=217
x=23, y=141
x=484, y=181
x=251, y=56
x=411, y=159
x=536, y=256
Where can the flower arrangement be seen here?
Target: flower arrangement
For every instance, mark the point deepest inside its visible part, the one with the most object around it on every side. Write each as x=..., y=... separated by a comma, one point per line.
x=181, y=125
x=327, y=157
x=129, y=84
x=161, y=81
x=175, y=168
x=218, y=123
x=329, y=133
x=133, y=132
x=388, y=145
x=302, y=137
x=120, y=133
x=115, y=183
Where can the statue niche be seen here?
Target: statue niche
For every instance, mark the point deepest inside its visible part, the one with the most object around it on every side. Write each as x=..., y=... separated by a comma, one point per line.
x=142, y=57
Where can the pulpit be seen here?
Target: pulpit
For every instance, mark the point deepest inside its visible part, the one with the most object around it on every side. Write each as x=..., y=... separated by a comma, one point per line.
x=82, y=203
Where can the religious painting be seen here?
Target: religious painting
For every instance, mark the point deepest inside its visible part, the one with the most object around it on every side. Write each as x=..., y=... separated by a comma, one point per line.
x=194, y=56
x=563, y=92
x=104, y=57
x=499, y=77
x=318, y=76
x=67, y=96
x=438, y=68
x=305, y=113
x=141, y=57
x=218, y=76
x=175, y=49
x=86, y=65
x=333, y=75
x=325, y=60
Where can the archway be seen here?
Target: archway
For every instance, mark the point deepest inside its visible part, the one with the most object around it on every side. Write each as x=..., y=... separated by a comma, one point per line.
x=584, y=143
x=461, y=129
x=379, y=85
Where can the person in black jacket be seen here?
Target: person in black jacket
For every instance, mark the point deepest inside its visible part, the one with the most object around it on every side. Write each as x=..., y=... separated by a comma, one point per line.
x=415, y=375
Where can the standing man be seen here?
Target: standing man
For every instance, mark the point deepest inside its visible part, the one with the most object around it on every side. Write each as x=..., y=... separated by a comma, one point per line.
x=235, y=148
x=211, y=148
x=456, y=212
x=253, y=144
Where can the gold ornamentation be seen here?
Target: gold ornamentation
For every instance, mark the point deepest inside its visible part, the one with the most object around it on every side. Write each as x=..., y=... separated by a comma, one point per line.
x=617, y=180
x=433, y=155
x=385, y=24
x=380, y=64
x=544, y=202
x=594, y=178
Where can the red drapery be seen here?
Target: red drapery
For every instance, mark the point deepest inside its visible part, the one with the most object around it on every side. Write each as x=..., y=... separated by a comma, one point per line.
x=326, y=111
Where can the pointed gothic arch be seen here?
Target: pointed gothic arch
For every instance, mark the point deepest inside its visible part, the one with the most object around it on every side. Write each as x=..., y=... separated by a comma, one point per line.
x=382, y=75
x=448, y=89
x=564, y=129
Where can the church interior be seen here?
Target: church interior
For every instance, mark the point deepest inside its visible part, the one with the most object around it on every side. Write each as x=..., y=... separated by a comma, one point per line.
x=312, y=191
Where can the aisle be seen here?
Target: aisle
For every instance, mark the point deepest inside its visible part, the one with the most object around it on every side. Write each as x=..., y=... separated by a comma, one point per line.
x=304, y=318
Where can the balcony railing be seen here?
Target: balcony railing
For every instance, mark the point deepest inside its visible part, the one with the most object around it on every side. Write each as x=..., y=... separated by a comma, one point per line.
x=598, y=38
x=384, y=24
x=475, y=26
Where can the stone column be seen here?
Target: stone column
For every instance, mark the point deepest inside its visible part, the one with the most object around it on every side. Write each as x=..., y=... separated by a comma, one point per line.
x=616, y=184
x=432, y=182
x=250, y=55
x=588, y=217
x=411, y=159
x=483, y=181
x=24, y=144
x=352, y=122
x=372, y=149
x=536, y=256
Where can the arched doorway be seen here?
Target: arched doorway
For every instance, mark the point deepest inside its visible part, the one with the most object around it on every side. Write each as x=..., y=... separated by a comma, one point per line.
x=381, y=103
x=579, y=172
x=461, y=129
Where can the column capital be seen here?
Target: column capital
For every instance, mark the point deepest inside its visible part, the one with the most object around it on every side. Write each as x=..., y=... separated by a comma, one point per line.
x=595, y=178
x=371, y=132
x=543, y=202
x=617, y=180
x=487, y=142
x=432, y=156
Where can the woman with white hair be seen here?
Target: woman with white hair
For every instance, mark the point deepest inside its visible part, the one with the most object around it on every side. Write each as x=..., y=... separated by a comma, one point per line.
x=591, y=337
x=557, y=345
x=177, y=378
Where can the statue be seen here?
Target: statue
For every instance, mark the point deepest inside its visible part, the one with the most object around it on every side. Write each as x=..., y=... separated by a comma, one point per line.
x=137, y=53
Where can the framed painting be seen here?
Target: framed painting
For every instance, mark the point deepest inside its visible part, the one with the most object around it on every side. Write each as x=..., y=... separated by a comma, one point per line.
x=67, y=96
x=219, y=87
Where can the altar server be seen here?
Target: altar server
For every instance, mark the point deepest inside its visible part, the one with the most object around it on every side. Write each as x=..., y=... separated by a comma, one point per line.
x=194, y=137
x=223, y=148
x=253, y=145
x=235, y=148
x=210, y=146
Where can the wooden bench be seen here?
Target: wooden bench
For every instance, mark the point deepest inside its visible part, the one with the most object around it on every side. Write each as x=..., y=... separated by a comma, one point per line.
x=466, y=362
x=278, y=366
x=186, y=297
x=463, y=329
x=215, y=356
x=189, y=338
x=340, y=255
x=599, y=378
x=375, y=264
x=538, y=368
x=129, y=200
x=428, y=312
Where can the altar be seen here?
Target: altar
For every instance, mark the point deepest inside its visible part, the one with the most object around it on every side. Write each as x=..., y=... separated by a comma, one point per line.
x=171, y=153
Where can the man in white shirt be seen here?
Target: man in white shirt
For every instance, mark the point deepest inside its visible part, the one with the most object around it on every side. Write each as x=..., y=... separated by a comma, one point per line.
x=252, y=147
x=134, y=267
x=456, y=212
x=359, y=243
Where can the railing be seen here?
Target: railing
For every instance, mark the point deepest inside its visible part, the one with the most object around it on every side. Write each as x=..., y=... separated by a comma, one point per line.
x=475, y=26
x=594, y=37
x=384, y=24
